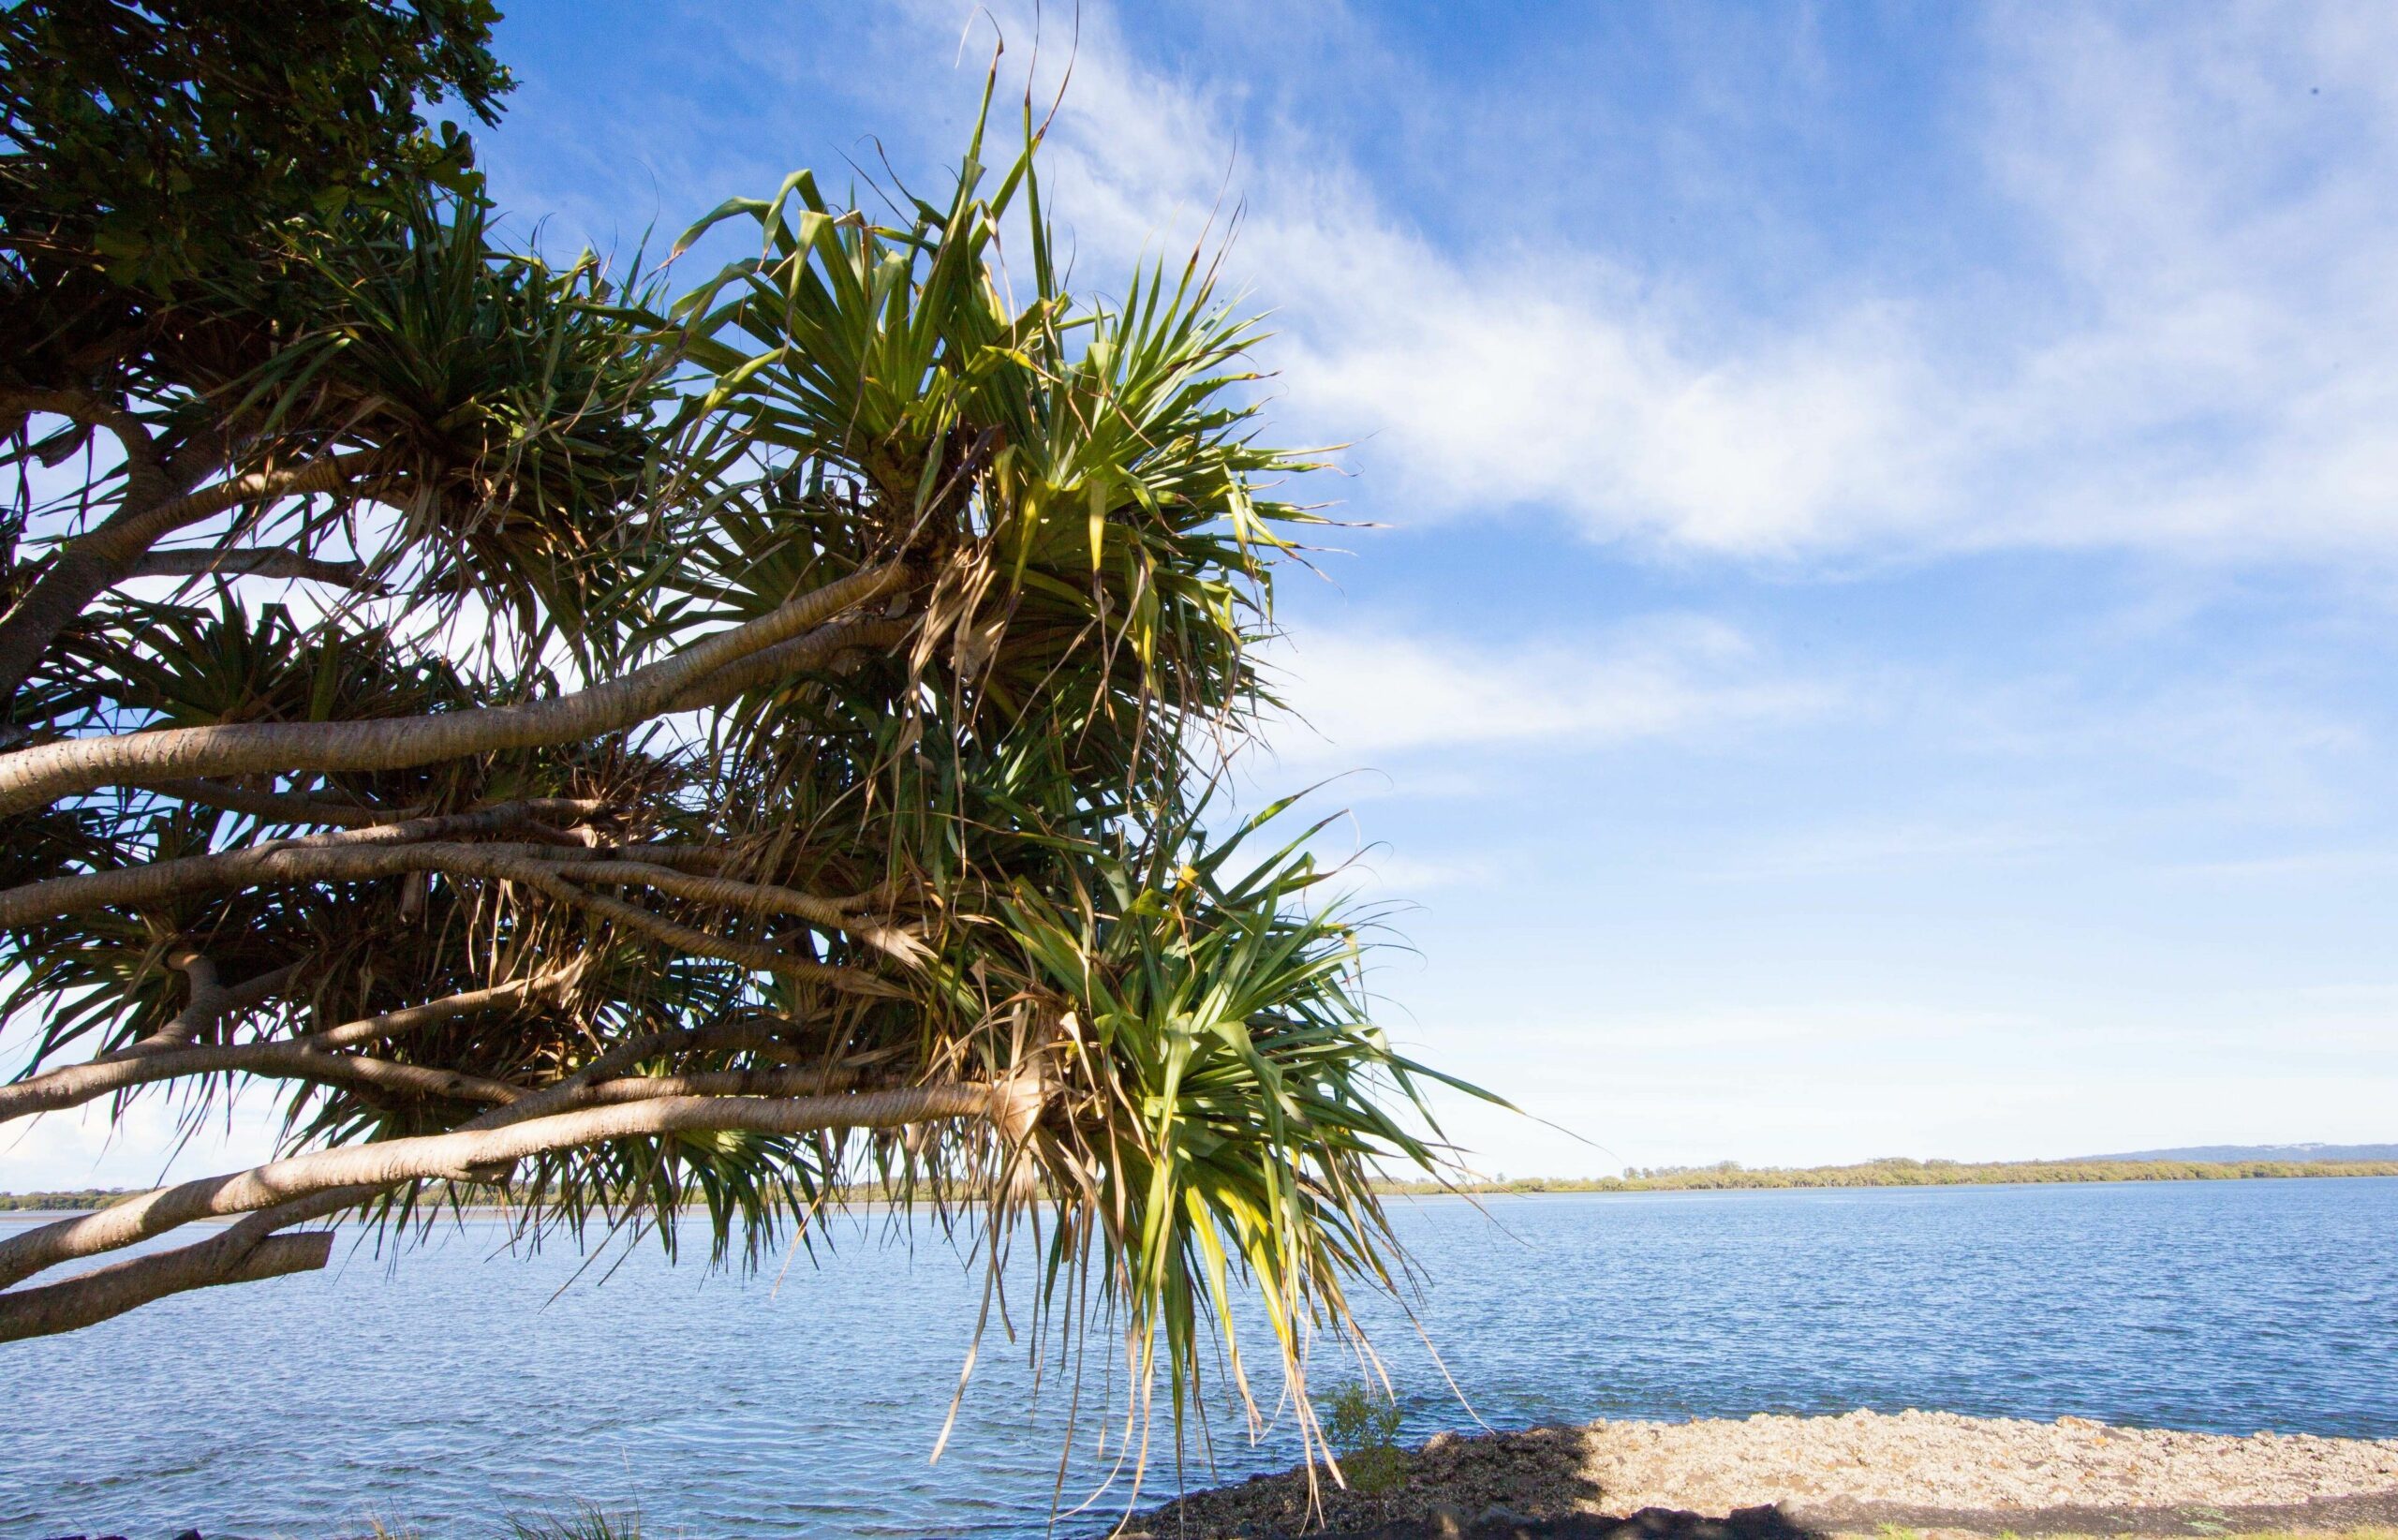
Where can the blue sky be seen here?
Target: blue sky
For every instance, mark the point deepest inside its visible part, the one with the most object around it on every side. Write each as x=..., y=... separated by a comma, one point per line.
x=1883, y=637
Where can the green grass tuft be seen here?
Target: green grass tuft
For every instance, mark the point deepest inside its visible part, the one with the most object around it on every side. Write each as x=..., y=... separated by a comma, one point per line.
x=588, y=1522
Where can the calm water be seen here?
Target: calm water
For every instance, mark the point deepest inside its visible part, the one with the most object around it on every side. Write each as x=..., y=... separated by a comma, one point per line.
x=451, y=1391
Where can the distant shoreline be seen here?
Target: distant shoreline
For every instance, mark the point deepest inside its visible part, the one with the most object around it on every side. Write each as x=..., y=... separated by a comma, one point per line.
x=1727, y=1177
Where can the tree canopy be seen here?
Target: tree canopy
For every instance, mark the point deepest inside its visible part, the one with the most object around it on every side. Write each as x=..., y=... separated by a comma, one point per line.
x=615, y=743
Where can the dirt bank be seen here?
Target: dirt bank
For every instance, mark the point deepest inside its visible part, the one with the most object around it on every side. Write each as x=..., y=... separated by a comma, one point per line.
x=1920, y=1469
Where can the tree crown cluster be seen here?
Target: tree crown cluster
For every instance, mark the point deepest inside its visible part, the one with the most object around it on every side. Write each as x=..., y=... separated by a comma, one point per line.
x=617, y=742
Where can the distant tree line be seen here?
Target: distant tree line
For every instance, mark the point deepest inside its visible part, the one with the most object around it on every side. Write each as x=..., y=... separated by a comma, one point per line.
x=78, y=1201
x=1900, y=1172
x=1723, y=1175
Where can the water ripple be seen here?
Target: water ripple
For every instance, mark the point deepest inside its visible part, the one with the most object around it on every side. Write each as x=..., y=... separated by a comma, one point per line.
x=447, y=1391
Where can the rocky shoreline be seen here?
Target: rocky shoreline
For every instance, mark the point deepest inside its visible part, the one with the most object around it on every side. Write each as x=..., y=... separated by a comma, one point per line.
x=1920, y=1470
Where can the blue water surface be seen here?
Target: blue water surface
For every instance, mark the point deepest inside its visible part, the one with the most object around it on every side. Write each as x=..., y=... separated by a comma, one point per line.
x=442, y=1393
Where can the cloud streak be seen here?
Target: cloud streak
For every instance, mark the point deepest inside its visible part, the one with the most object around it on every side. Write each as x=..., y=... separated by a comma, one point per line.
x=1376, y=693
x=2180, y=341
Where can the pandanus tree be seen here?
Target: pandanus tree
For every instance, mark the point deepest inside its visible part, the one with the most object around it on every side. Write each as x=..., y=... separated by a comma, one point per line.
x=629, y=747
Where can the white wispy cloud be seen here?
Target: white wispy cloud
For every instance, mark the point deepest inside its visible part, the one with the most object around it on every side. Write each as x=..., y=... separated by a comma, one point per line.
x=2246, y=748
x=1490, y=384
x=1891, y=845
x=2182, y=341
x=1382, y=873
x=2210, y=193
x=1372, y=694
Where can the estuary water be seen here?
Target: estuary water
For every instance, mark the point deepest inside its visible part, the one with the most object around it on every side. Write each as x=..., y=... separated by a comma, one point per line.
x=442, y=1393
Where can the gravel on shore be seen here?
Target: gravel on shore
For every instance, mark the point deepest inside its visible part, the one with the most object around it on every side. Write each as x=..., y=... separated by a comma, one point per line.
x=1942, y=1459
x=1840, y=1467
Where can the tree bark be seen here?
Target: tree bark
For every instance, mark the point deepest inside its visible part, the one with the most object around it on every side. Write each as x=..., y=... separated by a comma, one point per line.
x=786, y=659
x=245, y=561
x=415, y=1018
x=457, y=1156
x=289, y=1060
x=297, y=863
x=99, y=558
x=750, y=898
x=146, y=478
x=74, y=1084
x=31, y=778
x=229, y=1257
x=283, y=806
x=211, y=1001
x=113, y=1290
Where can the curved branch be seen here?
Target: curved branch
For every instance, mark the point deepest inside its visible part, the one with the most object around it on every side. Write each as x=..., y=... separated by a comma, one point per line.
x=92, y=561
x=144, y=471
x=760, y=959
x=350, y=855
x=567, y=1093
x=248, y=1251
x=129, y=533
x=30, y=778
x=243, y=1252
x=778, y=1082
x=211, y=1001
x=207, y=1005
x=458, y=1155
x=416, y=1018
x=251, y=561
x=800, y=654
x=750, y=898
x=317, y=859
x=499, y=818
x=121, y=1286
x=81, y=1082
x=282, y=807
x=314, y=1056
x=285, y=1062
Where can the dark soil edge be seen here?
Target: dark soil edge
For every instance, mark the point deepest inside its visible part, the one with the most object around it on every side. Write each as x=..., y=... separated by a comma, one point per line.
x=2184, y=1518
x=1819, y=1522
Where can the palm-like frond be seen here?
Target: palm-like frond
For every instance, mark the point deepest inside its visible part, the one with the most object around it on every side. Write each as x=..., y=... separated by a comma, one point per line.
x=948, y=842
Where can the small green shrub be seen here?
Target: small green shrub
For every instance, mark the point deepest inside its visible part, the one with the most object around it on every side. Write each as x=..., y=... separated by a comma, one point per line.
x=1374, y=1472
x=1353, y=1419
x=1364, y=1432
